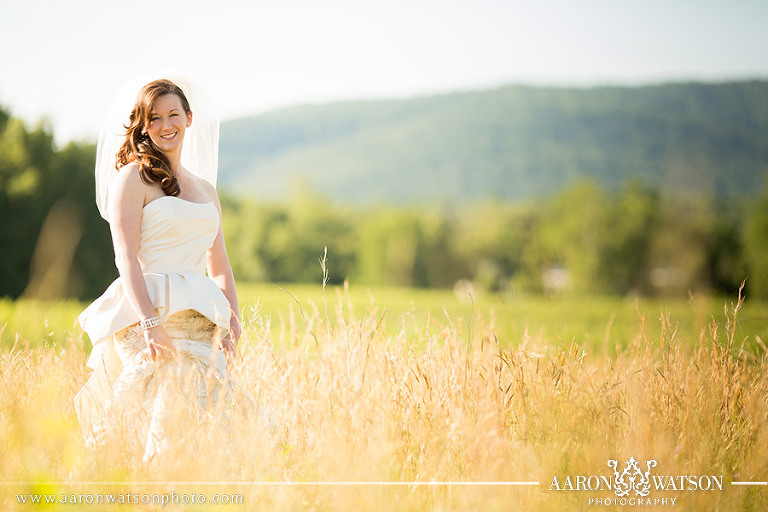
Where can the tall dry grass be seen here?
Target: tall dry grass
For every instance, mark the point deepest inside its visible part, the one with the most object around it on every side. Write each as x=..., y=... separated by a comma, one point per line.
x=337, y=399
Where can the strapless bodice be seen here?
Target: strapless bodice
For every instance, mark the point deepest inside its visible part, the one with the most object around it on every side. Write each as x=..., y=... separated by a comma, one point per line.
x=176, y=234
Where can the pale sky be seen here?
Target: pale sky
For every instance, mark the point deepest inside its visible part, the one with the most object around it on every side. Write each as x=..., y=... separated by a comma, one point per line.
x=65, y=60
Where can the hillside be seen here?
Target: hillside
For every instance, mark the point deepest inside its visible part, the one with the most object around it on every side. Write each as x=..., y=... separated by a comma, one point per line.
x=513, y=142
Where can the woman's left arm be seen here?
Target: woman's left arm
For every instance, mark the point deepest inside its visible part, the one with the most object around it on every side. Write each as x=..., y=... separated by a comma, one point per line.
x=220, y=271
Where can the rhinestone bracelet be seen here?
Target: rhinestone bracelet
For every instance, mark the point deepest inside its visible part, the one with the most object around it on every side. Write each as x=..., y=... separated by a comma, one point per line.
x=148, y=323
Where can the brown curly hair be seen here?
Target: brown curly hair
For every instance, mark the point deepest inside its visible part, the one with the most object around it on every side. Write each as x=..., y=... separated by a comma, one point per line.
x=154, y=166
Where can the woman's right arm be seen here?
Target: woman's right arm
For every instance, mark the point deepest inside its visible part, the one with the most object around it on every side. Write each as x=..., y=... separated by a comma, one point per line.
x=127, y=196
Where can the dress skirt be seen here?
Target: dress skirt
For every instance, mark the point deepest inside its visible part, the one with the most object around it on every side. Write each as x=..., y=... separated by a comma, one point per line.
x=143, y=405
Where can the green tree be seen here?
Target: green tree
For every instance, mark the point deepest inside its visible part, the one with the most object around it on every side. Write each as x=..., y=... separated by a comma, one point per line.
x=755, y=241
x=21, y=178
x=571, y=235
x=387, y=248
x=42, y=186
x=632, y=220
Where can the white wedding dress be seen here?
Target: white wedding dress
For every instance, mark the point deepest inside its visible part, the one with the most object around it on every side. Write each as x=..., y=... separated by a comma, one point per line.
x=128, y=393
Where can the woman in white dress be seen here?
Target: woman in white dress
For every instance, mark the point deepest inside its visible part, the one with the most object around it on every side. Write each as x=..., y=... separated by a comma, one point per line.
x=164, y=328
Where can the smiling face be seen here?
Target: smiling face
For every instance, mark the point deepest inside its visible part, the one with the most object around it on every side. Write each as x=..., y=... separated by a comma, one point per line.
x=167, y=123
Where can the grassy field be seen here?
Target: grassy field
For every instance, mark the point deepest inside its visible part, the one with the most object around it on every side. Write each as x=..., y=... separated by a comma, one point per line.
x=599, y=323
x=410, y=389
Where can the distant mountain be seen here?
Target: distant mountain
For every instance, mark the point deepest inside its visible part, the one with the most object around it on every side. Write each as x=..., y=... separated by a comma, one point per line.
x=514, y=142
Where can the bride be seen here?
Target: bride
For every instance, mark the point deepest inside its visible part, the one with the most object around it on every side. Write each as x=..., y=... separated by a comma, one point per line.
x=169, y=325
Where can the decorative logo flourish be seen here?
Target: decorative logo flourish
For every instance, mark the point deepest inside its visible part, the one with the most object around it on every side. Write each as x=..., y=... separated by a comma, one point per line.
x=632, y=478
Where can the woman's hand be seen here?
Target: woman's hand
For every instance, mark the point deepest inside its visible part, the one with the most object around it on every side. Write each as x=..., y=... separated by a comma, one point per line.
x=229, y=342
x=229, y=347
x=159, y=343
x=234, y=328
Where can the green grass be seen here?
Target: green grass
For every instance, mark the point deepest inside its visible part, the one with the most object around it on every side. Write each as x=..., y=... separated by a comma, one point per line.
x=600, y=324
x=36, y=322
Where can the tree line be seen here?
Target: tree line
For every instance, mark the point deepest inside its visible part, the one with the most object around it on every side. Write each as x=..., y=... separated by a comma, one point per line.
x=586, y=239
x=54, y=242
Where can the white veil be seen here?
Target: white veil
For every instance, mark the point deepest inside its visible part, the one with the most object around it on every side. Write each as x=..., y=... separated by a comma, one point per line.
x=200, y=151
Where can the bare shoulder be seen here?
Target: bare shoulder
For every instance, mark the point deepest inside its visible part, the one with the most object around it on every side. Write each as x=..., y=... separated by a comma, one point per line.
x=210, y=191
x=206, y=190
x=128, y=174
x=130, y=167
x=127, y=186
